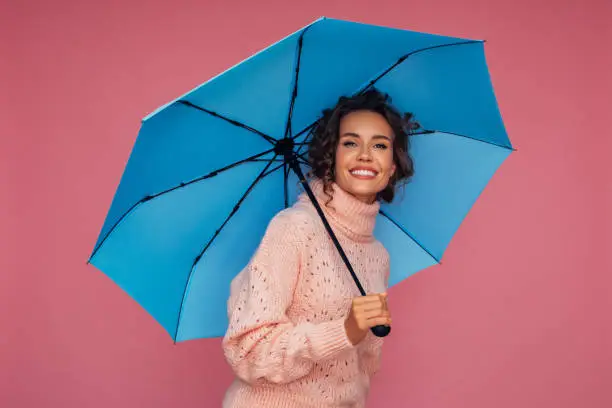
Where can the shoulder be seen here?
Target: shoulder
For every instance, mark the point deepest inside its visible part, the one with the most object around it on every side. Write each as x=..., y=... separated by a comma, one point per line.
x=293, y=224
x=299, y=218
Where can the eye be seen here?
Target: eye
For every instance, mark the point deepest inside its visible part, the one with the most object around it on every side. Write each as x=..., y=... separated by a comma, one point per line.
x=381, y=146
x=349, y=143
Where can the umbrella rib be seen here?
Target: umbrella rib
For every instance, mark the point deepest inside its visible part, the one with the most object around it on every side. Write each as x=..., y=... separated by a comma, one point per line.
x=465, y=136
x=295, y=83
x=259, y=177
x=269, y=139
x=405, y=57
x=305, y=143
x=409, y=235
x=394, y=65
x=306, y=129
x=181, y=185
x=304, y=161
x=272, y=170
x=301, y=158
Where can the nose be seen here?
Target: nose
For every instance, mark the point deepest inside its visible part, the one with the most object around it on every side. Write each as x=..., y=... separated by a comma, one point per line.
x=365, y=154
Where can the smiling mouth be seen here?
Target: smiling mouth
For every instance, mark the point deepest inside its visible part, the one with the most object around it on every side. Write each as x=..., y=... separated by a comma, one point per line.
x=363, y=173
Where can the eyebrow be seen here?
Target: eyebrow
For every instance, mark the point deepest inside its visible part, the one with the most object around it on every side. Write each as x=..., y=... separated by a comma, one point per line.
x=351, y=134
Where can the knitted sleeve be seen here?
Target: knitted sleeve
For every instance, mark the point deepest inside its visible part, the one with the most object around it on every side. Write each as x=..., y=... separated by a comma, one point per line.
x=371, y=354
x=261, y=343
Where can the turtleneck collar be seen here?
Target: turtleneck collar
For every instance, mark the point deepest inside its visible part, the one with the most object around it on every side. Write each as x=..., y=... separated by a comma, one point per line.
x=345, y=212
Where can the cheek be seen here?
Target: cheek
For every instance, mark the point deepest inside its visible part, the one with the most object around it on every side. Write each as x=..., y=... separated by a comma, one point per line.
x=387, y=163
x=341, y=159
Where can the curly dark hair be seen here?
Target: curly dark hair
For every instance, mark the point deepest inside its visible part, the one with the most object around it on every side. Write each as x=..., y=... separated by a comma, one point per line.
x=325, y=137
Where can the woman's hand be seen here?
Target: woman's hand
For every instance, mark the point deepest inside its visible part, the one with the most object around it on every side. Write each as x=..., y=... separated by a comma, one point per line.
x=366, y=312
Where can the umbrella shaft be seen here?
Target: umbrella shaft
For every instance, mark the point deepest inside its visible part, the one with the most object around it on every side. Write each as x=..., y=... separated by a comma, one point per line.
x=293, y=163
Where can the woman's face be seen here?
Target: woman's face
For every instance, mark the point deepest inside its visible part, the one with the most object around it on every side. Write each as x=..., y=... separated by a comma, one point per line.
x=364, y=157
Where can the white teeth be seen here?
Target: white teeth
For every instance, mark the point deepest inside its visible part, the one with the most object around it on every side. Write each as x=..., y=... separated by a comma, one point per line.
x=365, y=173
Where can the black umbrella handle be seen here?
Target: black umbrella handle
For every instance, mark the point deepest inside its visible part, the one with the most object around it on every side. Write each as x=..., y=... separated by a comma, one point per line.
x=379, y=331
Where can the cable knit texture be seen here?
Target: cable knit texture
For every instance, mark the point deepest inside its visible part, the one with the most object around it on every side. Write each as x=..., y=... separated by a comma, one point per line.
x=286, y=340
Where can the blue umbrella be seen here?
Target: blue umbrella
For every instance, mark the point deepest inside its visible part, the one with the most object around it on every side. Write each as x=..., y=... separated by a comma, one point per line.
x=211, y=168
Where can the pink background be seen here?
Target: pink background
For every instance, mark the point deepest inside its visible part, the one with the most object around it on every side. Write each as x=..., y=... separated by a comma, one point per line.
x=517, y=316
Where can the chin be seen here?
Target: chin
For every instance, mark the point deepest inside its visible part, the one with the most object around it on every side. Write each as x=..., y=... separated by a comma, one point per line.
x=362, y=191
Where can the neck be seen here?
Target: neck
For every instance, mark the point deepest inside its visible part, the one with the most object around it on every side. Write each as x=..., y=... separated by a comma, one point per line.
x=353, y=216
x=364, y=199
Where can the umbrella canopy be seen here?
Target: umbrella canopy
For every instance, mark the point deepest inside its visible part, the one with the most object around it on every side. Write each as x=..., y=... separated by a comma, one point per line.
x=211, y=168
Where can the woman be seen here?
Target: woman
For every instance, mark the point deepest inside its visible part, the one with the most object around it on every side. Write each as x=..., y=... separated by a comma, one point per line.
x=299, y=331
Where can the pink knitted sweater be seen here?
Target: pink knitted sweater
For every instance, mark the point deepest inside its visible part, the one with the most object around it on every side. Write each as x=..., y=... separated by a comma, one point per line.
x=286, y=340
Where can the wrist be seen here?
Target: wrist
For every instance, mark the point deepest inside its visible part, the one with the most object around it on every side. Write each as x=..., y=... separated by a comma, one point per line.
x=353, y=333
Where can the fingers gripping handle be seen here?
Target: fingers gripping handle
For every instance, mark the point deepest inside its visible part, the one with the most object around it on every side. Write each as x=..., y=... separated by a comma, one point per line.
x=382, y=330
